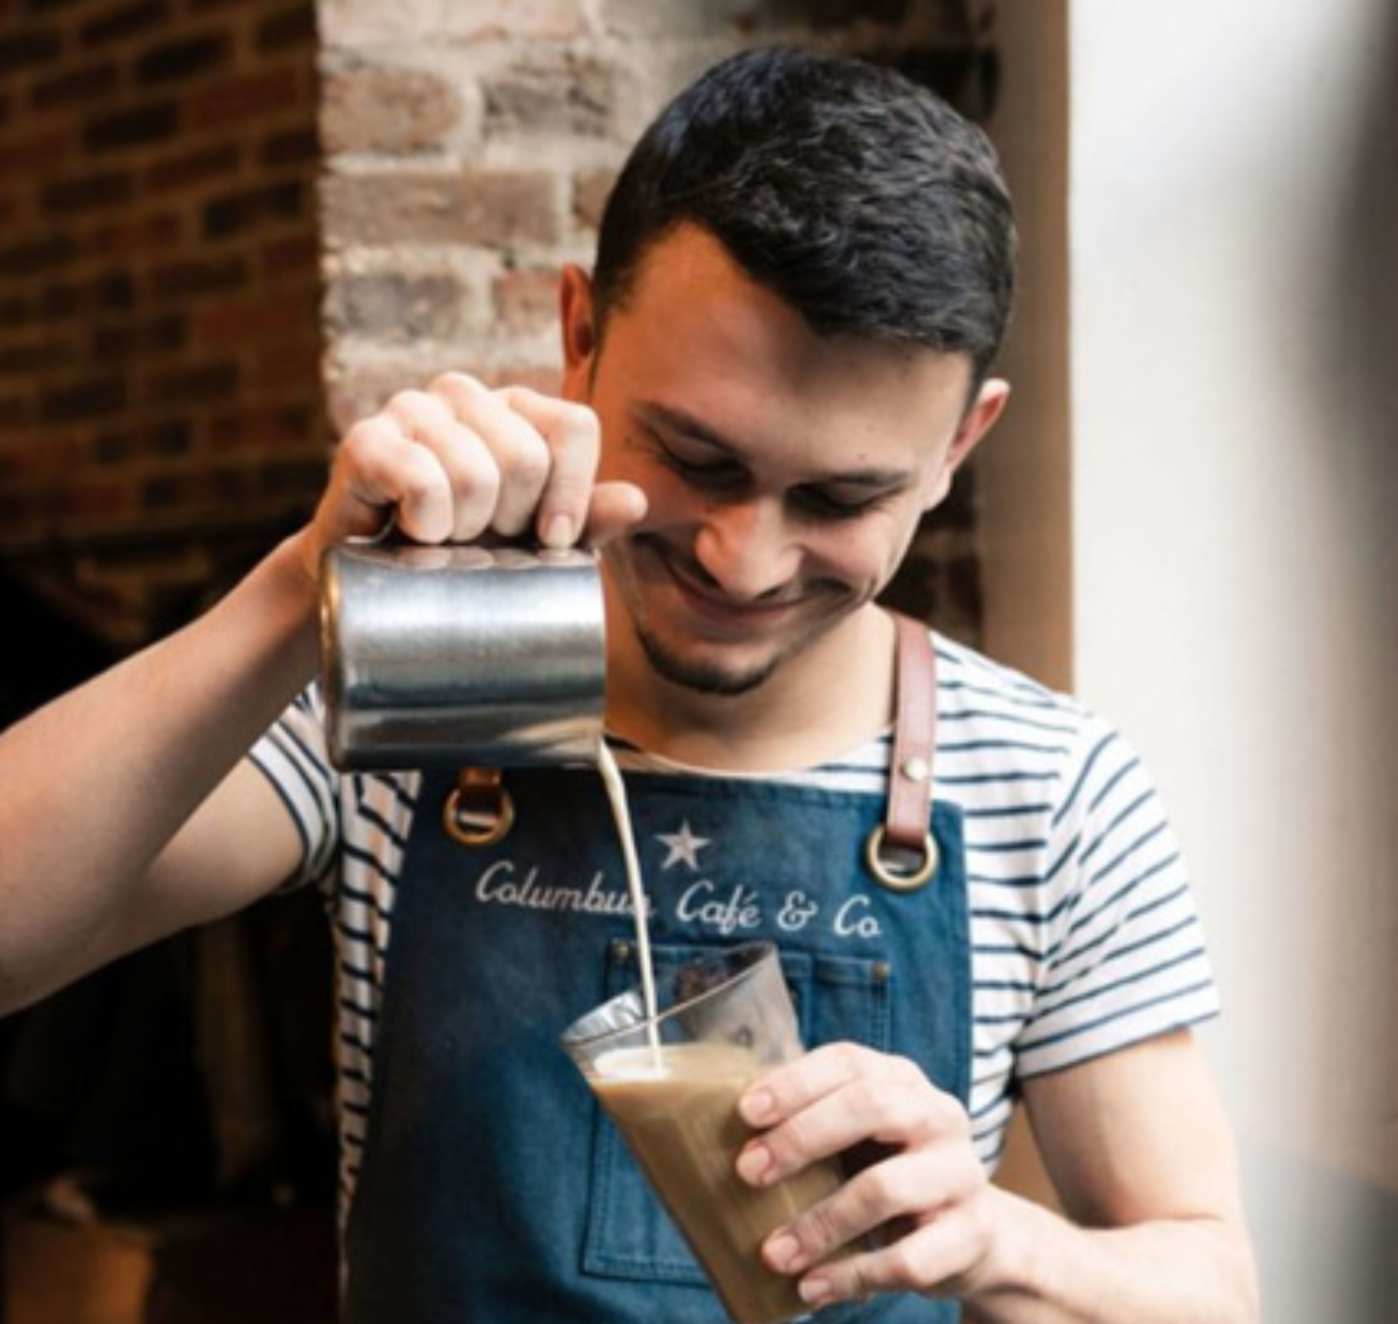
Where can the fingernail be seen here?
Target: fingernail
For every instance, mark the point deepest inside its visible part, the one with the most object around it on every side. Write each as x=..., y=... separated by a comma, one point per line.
x=815, y=1291
x=755, y=1164
x=784, y=1253
x=757, y=1107
x=559, y=532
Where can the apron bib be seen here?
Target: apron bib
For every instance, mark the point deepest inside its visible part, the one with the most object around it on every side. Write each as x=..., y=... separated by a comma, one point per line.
x=493, y=1190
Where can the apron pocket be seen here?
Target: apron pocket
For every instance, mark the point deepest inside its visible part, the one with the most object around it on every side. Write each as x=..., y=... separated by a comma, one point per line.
x=629, y=1234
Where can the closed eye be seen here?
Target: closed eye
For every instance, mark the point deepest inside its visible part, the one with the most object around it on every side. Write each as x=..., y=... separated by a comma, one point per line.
x=826, y=503
x=707, y=469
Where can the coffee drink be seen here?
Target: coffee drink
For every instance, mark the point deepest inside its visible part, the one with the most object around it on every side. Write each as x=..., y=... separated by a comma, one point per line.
x=679, y=1116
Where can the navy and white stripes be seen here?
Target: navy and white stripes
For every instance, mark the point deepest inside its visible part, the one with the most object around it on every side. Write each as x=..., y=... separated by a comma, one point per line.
x=1084, y=932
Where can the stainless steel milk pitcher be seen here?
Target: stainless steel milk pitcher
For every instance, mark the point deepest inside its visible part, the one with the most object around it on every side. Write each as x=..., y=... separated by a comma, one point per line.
x=460, y=655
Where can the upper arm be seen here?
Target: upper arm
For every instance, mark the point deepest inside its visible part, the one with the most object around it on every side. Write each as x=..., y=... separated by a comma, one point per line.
x=1136, y=1135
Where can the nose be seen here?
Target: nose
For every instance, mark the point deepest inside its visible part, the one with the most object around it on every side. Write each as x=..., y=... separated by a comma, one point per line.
x=747, y=549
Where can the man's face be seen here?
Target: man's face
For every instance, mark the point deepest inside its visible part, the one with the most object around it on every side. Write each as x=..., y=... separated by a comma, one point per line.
x=785, y=472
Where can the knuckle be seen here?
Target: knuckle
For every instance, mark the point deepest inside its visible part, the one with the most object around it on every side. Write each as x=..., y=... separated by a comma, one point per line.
x=480, y=488
x=454, y=383
x=848, y=1056
x=901, y=1263
x=822, y=1228
x=528, y=465
x=876, y=1191
x=407, y=406
x=789, y=1142
x=858, y=1281
x=360, y=439
x=905, y=1069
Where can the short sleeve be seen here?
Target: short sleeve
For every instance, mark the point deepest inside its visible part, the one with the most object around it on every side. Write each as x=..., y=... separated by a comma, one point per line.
x=292, y=756
x=1127, y=957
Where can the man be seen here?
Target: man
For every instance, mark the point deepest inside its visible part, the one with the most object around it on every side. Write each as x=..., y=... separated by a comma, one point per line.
x=778, y=364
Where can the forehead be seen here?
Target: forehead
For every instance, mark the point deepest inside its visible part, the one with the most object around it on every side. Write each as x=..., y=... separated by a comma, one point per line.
x=699, y=336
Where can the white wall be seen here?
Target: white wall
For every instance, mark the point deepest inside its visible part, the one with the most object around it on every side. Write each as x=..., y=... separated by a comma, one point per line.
x=1232, y=517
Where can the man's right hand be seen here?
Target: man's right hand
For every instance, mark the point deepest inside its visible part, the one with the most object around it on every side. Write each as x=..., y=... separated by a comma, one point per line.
x=460, y=460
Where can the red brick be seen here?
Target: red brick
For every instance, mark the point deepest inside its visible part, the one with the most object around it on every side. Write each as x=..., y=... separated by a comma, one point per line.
x=246, y=96
x=77, y=85
x=291, y=255
x=245, y=320
x=290, y=28
x=138, y=338
x=129, y=233
x=110, y=130
x=285, y=367
x=88, y=191
x=29, y=47
x=55, y=452
x=18, y=410
x=284, y=147
x=108, y=291
x=87, y=498
x=188, y=168
x=37, y=254
x=160, y=440
x=249, y=209
x=173, y=282
x=89, y=397
x=128, y=20
x=192, y=384
x=268, y=428
x=185, y=56
x=22, y=357
x=40, y=154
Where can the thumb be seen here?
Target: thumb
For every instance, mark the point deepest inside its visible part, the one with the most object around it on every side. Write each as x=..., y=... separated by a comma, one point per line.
x=615, y=508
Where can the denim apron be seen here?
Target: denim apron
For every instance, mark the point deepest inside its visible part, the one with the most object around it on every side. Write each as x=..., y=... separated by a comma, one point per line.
x=492, y=1189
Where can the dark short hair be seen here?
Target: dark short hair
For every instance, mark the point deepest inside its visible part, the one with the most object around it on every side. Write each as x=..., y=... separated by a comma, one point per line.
x=859, y=197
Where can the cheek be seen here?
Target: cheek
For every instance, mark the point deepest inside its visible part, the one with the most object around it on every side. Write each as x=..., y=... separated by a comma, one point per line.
x=865, y=556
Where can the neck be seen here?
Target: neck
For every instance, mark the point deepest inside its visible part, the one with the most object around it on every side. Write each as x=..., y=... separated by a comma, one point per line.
x=831, y=697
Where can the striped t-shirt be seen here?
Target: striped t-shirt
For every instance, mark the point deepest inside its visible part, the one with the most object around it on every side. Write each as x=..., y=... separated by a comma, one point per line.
x=1084, y=932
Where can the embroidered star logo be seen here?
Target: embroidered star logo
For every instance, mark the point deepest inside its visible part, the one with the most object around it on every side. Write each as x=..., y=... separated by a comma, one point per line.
x=683, y=846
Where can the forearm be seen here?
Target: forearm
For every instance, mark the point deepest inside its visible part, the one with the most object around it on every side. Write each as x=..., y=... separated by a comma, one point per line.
x=98, y=782
x=1045, y=1270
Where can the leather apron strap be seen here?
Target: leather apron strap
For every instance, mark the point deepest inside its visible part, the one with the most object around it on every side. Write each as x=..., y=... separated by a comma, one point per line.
x=901, y=852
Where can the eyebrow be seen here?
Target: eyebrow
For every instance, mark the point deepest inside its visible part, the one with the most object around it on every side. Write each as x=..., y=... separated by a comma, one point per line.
x=686, y=424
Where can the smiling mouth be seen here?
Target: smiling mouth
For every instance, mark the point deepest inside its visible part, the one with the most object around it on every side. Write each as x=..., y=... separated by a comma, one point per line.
x=711, y=604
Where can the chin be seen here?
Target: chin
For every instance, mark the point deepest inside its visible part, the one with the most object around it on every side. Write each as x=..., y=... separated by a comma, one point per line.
x=703, y=673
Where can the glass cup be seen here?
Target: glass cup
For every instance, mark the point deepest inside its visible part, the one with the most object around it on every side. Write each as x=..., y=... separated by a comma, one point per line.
x=671, y=1085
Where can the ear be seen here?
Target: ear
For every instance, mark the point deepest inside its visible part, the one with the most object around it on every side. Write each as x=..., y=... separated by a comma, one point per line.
x=983, y=414
x=578, y=329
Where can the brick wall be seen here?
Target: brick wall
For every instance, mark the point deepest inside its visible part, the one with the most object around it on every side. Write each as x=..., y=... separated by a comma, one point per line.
x=160, y=407
x=162, y=385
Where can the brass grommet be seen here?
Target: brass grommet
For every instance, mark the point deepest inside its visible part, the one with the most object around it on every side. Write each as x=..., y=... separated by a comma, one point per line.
x=479, y=811
x=893, y=875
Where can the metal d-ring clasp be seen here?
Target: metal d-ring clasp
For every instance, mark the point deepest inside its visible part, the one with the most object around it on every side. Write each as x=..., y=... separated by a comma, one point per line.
x=479, y=811
x=896, y=867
